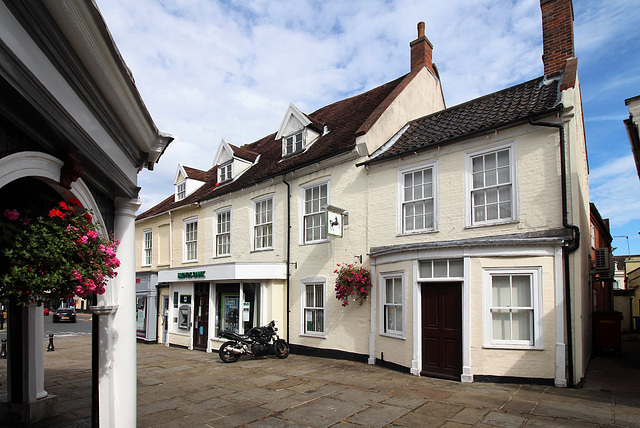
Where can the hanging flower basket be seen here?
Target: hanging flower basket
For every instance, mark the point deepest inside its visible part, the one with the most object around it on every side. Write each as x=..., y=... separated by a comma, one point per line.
x=353, y=282
x=53, y=256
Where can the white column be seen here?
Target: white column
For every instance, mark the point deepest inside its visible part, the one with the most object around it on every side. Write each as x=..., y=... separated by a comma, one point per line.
x=121, y=404
x=467, y=375
x=34, y=349
x=561, y=362
x=39, y=350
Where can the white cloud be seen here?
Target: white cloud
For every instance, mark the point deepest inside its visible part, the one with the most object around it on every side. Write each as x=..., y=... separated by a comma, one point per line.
x=208, y=69
x=610, y=186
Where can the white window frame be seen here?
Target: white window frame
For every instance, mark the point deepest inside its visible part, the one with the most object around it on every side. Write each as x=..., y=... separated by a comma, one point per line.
x=221, y=234
x=433, y=166
x=469, y=191
x=321, y=213
x=181, y=190
x=292, y=137
x=190, y=239
x=147, y=247
x=225, y=172
x=535, y=274
x=258, y=224
x=384, y=330
x=319, y=283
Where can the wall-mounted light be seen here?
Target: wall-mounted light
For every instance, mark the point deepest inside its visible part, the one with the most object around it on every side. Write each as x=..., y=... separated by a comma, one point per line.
x=359, y=258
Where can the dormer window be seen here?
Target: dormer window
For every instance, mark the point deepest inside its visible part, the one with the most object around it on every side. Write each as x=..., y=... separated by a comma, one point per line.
x=181, y=191
x=225, y=172
x=293, y=143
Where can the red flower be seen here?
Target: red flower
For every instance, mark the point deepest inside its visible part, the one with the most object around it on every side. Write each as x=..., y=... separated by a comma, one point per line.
x=75, y=202
x=87, y=217
x=56, y=213
x=64, y=205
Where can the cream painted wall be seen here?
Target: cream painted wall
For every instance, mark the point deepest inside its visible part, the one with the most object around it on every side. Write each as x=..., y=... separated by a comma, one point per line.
x=578, y=205
x=505, y=362
x=155, y=224
x=396, y=350
x=538, y=188
x=422, y=96
x=347, y=328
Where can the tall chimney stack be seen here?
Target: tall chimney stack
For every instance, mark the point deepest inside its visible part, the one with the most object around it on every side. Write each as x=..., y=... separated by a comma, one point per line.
x=421, y=51
x=557, y=35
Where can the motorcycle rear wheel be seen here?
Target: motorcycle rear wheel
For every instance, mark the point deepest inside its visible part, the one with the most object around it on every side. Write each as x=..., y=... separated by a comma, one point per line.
x=281, y=348
x=226, y=355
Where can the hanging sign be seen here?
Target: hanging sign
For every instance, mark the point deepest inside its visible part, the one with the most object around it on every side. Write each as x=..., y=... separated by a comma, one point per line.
x=334, y=222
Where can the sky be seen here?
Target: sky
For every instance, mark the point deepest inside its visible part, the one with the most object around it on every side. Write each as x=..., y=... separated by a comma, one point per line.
x=213, y=69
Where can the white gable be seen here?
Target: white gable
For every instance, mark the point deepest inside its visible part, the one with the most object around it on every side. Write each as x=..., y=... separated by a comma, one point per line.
x=294, y=120
x=181, y=175
x=224, y=153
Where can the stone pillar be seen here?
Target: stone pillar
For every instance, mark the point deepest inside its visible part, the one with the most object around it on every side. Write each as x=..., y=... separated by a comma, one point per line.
x=123, y=326
x=28, y=402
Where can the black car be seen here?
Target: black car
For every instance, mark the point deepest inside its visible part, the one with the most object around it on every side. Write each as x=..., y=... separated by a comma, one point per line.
x=64, y=315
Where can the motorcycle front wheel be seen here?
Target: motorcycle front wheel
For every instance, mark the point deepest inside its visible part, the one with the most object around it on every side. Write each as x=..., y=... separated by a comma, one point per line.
x=226, y=355
x=281, y=348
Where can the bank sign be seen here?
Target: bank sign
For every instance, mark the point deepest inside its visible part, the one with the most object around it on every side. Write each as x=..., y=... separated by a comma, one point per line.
x=187, y=275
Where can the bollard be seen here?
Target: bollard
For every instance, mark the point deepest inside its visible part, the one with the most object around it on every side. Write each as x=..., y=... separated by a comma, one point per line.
x=3, y=351
x=51, y=347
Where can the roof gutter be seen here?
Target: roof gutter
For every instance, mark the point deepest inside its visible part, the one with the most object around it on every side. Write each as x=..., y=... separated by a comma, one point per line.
x=566, y=250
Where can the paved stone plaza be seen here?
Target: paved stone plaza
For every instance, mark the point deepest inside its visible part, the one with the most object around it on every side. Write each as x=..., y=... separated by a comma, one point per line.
x=182, y=388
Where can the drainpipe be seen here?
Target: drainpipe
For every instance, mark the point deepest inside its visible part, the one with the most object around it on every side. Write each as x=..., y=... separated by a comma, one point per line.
x=284, y=180
x=566, y=251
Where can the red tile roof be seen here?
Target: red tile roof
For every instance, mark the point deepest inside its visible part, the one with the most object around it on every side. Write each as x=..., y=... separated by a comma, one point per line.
x=343, y=120
x=500, y=109
x=197, y=174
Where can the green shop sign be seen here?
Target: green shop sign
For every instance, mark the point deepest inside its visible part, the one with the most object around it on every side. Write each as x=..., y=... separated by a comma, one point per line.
x=183, y=275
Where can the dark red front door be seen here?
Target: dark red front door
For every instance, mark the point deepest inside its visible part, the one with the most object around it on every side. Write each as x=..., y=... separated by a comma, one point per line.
x=442, y=330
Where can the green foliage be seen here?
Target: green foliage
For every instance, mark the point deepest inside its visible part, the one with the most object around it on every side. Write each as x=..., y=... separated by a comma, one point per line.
x=59, y=255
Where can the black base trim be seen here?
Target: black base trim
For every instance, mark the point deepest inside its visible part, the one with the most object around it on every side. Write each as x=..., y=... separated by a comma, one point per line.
x=513, y=379
x=328, y=353
x=393, y=366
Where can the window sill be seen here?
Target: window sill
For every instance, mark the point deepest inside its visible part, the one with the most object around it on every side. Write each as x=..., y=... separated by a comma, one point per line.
x=324, y=241
x=185, y=262
x=496, y=223
x=393, y=336
x=418, y=232
x=259, y=250
x=224, y=256
x=146, y=266
x=317, y=336
x=514, y=347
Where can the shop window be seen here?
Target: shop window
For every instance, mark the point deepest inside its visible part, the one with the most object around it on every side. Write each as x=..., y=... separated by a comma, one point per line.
x=141, y=316
x=237, y=308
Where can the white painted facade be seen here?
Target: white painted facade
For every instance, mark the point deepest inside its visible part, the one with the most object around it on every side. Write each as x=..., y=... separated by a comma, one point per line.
x=532, y=243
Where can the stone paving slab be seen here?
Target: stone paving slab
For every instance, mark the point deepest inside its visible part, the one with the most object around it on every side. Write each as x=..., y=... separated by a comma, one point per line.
x=189, y=389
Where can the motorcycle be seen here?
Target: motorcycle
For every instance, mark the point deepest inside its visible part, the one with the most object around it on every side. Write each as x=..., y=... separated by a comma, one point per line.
x=256, y=342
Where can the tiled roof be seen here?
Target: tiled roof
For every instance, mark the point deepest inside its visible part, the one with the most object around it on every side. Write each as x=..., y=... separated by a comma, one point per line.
x=197, y=174
x=244, y=153
x=500, y=109
x=342, y=118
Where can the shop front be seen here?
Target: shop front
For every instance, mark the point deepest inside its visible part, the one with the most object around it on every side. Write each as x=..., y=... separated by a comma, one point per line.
x=205, y=300
x=146, y=307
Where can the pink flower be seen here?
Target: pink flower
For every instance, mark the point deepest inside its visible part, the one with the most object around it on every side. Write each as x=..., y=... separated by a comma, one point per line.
x=92, y=234
x=11, y=214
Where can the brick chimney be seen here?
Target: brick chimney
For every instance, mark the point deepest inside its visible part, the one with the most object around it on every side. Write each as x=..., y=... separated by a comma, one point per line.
x=557, y=35
x=421, y=51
